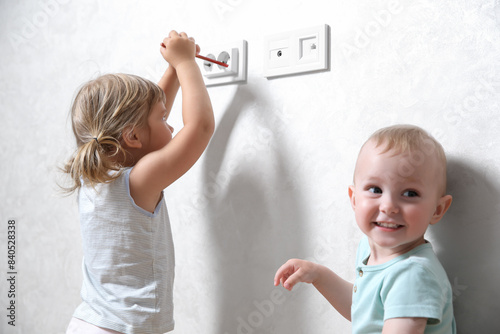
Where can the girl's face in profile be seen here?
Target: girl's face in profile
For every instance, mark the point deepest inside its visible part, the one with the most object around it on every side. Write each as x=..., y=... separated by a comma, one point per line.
x=158, y=132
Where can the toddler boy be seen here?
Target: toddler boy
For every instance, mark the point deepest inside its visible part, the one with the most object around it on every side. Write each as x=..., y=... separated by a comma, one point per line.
x=399, y=189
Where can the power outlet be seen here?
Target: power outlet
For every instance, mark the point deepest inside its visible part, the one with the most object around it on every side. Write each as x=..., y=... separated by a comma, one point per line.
x=232, y=54
x=299, y=51
x=229, y=57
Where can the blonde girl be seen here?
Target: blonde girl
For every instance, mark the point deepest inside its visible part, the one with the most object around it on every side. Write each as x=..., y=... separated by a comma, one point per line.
x=125, y=158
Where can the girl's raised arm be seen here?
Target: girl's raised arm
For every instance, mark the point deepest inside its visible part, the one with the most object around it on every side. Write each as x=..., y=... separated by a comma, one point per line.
x=159, y=168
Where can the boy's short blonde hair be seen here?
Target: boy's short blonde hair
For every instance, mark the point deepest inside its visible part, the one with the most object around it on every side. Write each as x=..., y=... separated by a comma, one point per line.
x=414, y=140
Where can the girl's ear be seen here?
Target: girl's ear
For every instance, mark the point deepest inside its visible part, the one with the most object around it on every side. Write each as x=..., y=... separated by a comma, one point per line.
x=130, y=138
x=352, y=197
x=443, y=206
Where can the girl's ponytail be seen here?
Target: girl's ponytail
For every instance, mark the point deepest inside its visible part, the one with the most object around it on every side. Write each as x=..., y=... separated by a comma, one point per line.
x=102, y=110
x=92, y=162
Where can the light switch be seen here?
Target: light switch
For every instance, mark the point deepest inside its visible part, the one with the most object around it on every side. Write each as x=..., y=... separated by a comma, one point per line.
x=297, y=51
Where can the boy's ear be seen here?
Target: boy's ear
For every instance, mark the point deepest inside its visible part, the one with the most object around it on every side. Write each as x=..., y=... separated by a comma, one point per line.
x=443, y=206
x=130, y=138
x=352, y=197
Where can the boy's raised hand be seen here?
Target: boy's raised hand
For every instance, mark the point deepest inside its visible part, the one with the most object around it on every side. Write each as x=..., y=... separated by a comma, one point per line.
x=177, y=48
x=295, y=271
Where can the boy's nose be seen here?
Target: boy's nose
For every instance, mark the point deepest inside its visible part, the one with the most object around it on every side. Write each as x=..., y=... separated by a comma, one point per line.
x=388, y=206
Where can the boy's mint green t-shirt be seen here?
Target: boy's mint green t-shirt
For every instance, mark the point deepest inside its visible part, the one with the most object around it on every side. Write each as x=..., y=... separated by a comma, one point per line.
x=412, y=285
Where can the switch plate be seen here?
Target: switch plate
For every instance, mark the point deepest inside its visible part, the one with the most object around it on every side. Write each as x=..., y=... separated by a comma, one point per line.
x=298, y=51
x=234, y=54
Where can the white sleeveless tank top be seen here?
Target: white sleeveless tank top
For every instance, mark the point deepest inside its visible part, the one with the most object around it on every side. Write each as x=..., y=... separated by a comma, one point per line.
x=128, y=265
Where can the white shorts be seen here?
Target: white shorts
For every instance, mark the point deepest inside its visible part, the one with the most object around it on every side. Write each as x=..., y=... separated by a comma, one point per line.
x=77, y=326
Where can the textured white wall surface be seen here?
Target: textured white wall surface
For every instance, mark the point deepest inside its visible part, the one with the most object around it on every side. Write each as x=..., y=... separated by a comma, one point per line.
x=273, y=181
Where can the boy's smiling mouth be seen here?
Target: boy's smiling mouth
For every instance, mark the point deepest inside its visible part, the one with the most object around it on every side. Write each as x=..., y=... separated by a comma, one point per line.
x=386, y=225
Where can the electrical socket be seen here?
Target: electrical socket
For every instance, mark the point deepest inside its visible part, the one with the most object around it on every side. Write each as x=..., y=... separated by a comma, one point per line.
x=298, y=51
x=229, y=57
x=233, y=54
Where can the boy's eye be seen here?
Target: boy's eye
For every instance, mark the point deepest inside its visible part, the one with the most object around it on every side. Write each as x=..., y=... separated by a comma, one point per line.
x=375, y=190
x=410, y=193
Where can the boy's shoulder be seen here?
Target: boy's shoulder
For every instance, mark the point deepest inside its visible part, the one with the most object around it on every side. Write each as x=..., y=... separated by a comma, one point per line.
x=419, y=269
x=421, y=258
x=420, y=261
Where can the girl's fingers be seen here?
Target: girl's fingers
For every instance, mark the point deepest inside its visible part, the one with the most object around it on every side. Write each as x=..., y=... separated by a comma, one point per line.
x=165, y=41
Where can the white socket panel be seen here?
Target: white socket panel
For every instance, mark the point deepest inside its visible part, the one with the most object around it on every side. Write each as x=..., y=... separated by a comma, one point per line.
x=234, y=54
x=298, y=51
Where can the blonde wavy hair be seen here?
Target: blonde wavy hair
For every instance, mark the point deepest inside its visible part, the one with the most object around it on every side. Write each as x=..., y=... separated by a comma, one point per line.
x=103, y=108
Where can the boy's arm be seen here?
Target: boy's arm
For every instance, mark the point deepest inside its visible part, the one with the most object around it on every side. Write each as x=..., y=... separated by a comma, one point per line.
x=336, y=290
x=404, y=325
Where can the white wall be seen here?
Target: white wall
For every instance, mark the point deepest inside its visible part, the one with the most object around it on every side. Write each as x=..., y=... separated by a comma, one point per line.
x=273, y=182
